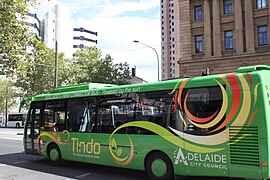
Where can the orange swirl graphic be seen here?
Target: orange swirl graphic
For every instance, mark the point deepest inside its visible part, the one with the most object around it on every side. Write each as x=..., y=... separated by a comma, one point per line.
x=57, y=138
x=181, y=88
x=196, y=119
x=251, y=117
x=239, y=97
x=236, y=96
x=221, y=112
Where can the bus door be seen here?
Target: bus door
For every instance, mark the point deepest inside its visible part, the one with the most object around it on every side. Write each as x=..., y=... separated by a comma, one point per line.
x=32, y=128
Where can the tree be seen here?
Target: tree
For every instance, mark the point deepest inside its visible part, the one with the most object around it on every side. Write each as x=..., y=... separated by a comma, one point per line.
x=7, y=94
x=13, y=33
x=90, y=66
x=121, y=73
x=36, y=75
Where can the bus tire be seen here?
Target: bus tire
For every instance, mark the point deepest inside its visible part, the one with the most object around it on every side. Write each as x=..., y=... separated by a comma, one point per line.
x=17, y=125
x=159, y=166
x=54, y=154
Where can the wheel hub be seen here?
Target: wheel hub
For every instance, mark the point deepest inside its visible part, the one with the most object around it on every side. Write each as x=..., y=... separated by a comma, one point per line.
x=159, y=168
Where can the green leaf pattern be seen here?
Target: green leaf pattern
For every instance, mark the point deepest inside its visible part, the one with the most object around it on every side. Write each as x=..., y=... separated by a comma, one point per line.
x=115, y=150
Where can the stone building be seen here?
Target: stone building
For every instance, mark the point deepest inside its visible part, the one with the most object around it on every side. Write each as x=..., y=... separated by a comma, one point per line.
x=221, y=35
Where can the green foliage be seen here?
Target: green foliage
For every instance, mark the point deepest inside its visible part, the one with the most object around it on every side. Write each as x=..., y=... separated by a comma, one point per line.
x=36, y=75
x=13, y=34
x=27, y=59
x=7, y=93
x=90, y=66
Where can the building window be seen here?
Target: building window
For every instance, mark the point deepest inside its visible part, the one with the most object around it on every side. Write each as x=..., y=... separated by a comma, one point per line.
x=198, y=12
x=227, y=6
x=198, y=44
x=261, y=4
x=228, y=36
x=262, y=35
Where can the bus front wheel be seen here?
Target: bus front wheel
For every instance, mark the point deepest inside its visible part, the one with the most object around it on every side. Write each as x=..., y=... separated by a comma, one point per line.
x=159, y=166
x=17, y=125
x=54, y=155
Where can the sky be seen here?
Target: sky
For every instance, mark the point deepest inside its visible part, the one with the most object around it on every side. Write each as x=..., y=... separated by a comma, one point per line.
x=119, y=23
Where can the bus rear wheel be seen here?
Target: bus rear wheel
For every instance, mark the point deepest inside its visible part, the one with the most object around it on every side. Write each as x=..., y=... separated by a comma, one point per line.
x=54, y=155
x=17, y=125
x=159, y=166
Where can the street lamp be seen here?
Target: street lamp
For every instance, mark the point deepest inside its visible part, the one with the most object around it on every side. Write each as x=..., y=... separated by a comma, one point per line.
x=136, y=41
x=6, y=107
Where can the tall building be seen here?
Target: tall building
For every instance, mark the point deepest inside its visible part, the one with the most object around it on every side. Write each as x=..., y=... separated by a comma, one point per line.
x=220, y=35
x=58, y=26
x=49, y=30
x=170, y=39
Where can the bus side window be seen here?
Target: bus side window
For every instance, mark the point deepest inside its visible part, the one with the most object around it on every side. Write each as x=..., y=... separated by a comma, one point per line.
x=104, y=123
x=80, y=115
x=155, y=107
x=60, y=121
x=200, y=102
x=54, y=116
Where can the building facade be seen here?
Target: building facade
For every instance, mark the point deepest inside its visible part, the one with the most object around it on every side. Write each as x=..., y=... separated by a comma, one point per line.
x=58, y=26
x=221, y=35
x=170, y=39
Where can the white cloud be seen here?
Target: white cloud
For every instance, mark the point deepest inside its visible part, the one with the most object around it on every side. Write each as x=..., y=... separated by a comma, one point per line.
x=117, y=29
x=123, y=7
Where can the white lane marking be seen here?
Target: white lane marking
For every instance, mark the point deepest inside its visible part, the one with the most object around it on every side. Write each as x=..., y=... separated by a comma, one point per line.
x=11, y=138
x=83, y=175
x=18, y=162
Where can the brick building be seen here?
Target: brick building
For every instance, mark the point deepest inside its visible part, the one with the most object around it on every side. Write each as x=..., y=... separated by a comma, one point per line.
x=221, y=35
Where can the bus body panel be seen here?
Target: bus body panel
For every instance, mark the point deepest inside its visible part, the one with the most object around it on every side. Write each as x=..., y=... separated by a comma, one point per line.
x=220, y=127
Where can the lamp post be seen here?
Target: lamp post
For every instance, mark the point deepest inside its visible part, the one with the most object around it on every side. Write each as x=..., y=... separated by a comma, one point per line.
x=56, y=65
x=136, y=41
x=6, y=107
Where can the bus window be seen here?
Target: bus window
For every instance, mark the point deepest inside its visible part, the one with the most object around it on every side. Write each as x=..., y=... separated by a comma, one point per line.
x=156, y=108
x=200, y=103
x=80, y=115
x=112, y=113
x=54, y=116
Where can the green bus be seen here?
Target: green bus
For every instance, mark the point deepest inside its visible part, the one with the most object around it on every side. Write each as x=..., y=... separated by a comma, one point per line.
x=213, y=125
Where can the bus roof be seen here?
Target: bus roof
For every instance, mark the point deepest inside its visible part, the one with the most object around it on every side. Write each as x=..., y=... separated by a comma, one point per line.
x=95, y=89
x=99, y=89
x=79, y=87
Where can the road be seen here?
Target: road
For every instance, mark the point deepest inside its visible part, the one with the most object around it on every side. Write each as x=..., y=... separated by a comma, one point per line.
x=16, y=165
